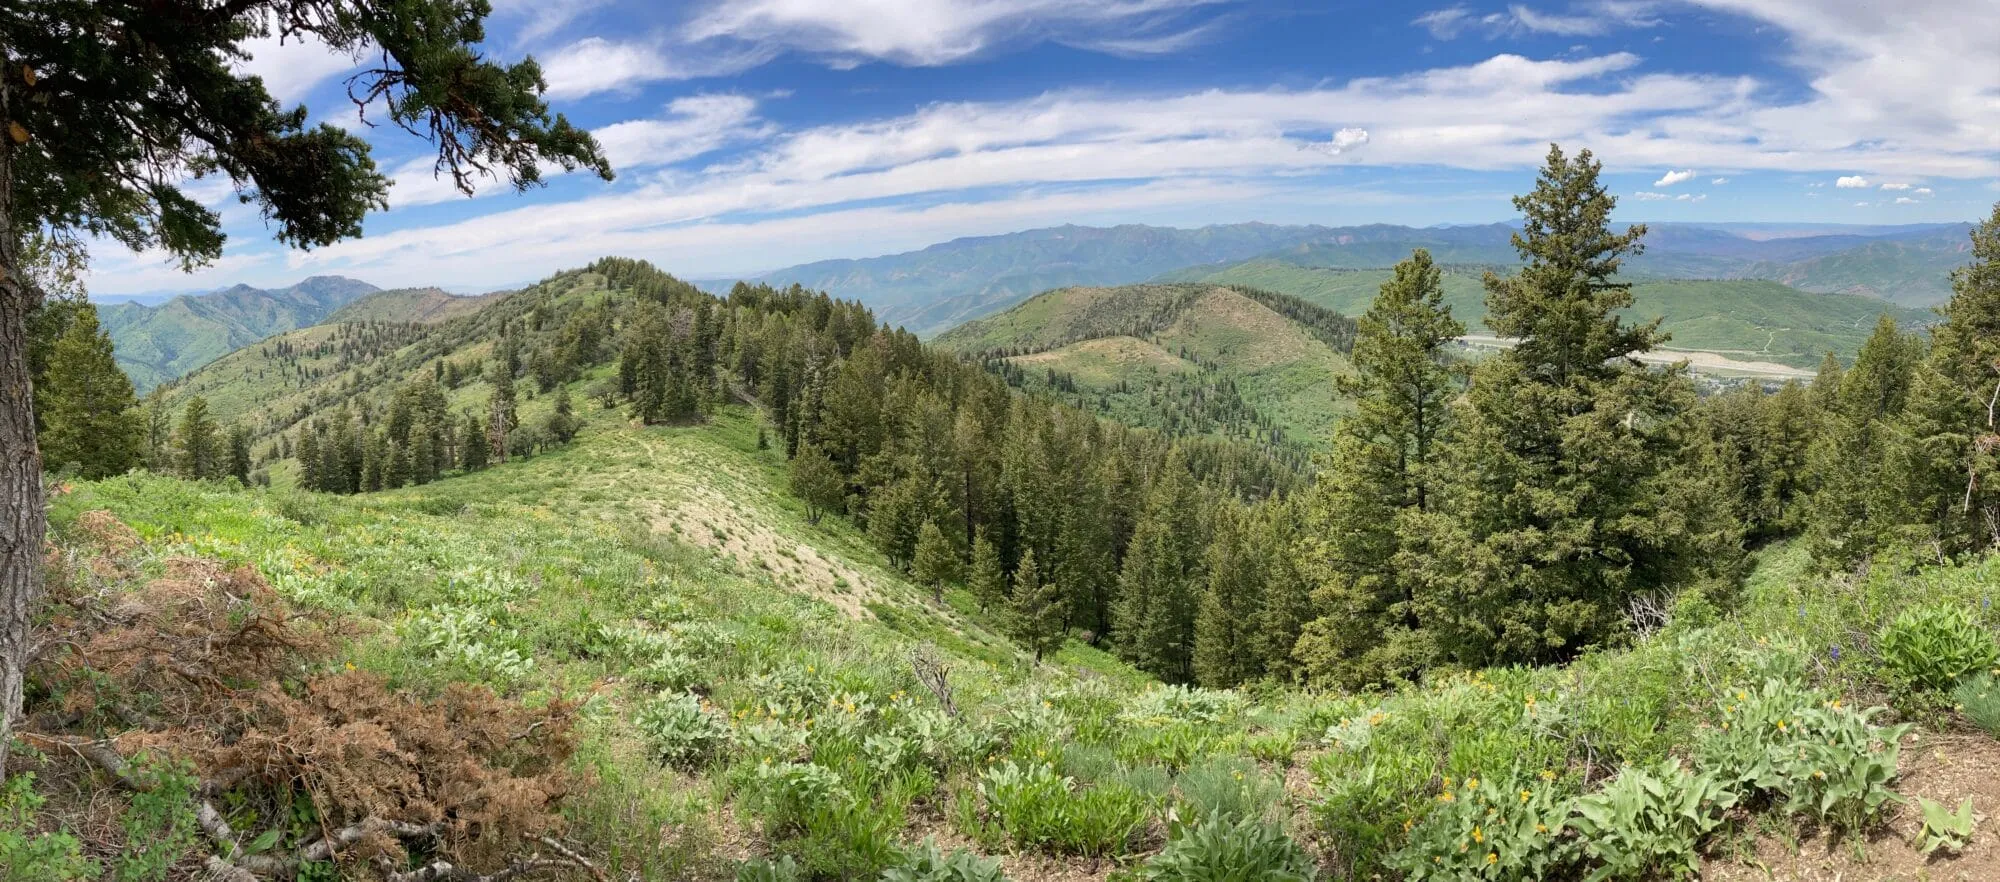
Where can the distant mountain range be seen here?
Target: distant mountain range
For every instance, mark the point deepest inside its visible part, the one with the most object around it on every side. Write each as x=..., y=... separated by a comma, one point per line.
x=155, y=344
x=938, y=287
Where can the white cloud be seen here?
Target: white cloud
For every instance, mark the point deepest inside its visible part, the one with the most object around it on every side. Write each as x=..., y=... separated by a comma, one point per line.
x=936, y=32
x=1895, y=186
x=1851, y=182
x=1342, y=141
x=1674, y=177
x=1905, y=200
x=293, y=67
x=1719, y=181
x=1860, y=205
x=594, y=64
x=1649, y=196
x=1923, y=191
x=696, y=125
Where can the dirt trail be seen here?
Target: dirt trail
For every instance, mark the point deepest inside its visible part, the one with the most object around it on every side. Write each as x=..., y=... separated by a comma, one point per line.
x=1944, y=768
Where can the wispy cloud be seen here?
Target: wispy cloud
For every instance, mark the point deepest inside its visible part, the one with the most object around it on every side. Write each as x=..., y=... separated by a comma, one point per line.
x=936, y=32
x=1581, y=20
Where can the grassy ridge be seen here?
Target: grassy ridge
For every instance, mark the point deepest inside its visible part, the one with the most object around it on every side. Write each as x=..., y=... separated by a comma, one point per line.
x=1131, y=347
x=1757, y=320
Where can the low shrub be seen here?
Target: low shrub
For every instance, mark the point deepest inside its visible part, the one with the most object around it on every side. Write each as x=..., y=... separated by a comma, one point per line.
x=26, y=854
x=1949, y=829
x=926, y=863
x=680, y=730
x=1033, y=807
x=1504, y=829
x=786, y=795
x=1231, y=788
x=1817, y=755
x=1218, y=850
x=1978, y=698
x=1930, y=648
x=1649, y=823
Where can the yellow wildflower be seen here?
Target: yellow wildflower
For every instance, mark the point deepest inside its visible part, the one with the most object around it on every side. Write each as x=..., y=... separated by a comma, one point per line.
x=1525, y=795
x=1478, y=835
x=1492, y=857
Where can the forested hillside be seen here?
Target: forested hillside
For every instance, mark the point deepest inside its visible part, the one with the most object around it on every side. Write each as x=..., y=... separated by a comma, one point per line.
x=155, y=344
x=620, y=578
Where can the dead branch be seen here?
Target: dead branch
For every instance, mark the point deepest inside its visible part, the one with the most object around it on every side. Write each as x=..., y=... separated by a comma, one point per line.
x=935, y=675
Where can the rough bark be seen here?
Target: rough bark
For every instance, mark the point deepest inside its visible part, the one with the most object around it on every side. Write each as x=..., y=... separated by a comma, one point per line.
x=21, y=514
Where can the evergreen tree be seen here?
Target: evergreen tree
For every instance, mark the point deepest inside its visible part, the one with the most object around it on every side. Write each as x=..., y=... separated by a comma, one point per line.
x=895, y=513
x=817, y=482
x=473, y=447
x=310, y=477
x=1855, y=507
x=501, y=417
x=1380, y=475
x=1037, y=614
x=1945, y=470
x=1159, y=589
x=159, y=423
x=1555, y=487
x=988, y=581
x=936, y=563
x=202, y=455
x=239, y=454
x=86, y=415
x=1226, y=652
x=562, y=425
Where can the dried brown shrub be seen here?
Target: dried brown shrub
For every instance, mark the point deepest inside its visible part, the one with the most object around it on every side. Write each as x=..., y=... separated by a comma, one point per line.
x=207, y=664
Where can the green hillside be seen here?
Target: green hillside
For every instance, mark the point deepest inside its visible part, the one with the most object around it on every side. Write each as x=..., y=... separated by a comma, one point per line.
x=155, y=344
x=1744, y=319
x=1195, y=358
x=411, y=305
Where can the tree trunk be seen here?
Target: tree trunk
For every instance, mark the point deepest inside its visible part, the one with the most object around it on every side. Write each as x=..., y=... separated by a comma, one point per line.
x=21, y=515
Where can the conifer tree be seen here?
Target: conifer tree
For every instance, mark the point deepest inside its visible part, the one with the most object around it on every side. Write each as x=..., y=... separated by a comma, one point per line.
x=1855, y=507
x=473, y=447
x=239, y=454
x=1380, y=475
x=1555, y=488
x=1226, y=651
x=1159, y=591
x=159, y=423
x=987, y=581
x=936, y=563
x=87, y=416
x=1037, y=614
x=816, y=482
x=1946, y=464
x=201, y=455
x=310, y=477
x=562, y=425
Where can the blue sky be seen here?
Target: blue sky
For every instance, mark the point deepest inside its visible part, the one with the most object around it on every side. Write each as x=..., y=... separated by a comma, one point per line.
x=753, y=134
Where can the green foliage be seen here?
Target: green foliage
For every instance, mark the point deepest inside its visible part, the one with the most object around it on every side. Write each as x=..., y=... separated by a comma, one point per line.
x=1511, y=828
x=1033, y=807
x=787, y=795
x=27, y=854
x=1229, y=788
x=1819, y=756
x=681, y=730
x=1931, y=648
x=1036, y=615
x=1949, y=829
x=1222, y=850
x=816, y=482
x=159, y=823
x=926, y=863
x=1649, y=823
x=1978, y=698
x=86, y=418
